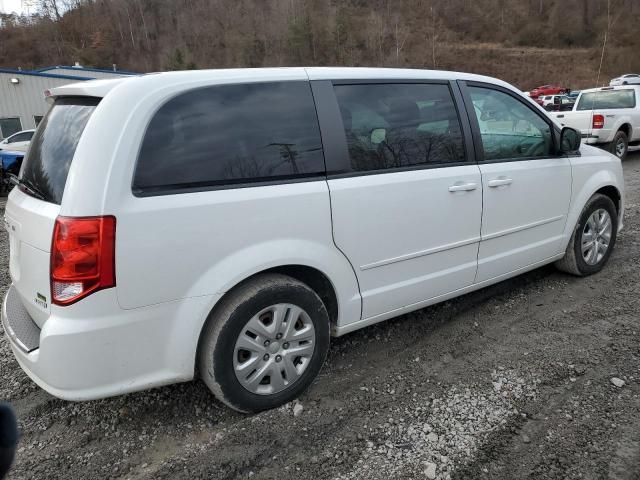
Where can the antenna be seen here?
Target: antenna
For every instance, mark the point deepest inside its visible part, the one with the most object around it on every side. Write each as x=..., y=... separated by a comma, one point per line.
x=604, y=46
x=604, y=43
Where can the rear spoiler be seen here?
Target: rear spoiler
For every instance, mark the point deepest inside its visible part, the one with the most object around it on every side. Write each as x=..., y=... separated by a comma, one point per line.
x=89, y=88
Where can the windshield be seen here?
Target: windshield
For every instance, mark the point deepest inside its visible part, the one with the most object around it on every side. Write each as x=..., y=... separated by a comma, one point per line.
x=607, y=99
x=47, y=163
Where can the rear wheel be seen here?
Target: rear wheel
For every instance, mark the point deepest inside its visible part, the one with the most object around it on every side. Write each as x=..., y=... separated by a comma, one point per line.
x=593, y=238
x=265, y=343
x=620, y=145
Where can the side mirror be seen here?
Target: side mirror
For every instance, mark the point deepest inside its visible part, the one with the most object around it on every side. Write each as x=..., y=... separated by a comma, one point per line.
x=570, y=139
x=378, y=135
x=8, y=438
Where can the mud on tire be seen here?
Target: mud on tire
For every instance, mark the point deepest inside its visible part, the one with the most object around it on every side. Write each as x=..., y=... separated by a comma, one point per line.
x=219, y=354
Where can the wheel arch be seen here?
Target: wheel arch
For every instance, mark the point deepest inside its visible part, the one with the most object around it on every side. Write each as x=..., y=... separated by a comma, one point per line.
x=613, y=193
x=316, y=279
x=626, y=128
x=313, y=277
x=602, y=182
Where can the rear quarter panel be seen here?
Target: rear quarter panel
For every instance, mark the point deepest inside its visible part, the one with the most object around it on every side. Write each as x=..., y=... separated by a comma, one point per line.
x=613, y=120
x=196, y=244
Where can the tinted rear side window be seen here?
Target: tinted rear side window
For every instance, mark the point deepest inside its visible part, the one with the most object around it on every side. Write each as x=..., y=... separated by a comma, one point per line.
x=607, y=99
x=231, y=134
x=400, y=125
x=46, y=166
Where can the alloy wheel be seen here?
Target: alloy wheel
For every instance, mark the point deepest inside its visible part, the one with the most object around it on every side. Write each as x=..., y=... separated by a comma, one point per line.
x=620, y=148
x=596, y=236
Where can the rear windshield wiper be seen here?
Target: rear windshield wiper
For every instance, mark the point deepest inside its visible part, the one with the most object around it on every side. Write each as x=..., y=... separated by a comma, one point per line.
x=27, y=185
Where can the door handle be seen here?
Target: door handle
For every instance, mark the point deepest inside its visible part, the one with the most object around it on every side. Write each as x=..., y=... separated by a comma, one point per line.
x=463, y=187
x=499, y=182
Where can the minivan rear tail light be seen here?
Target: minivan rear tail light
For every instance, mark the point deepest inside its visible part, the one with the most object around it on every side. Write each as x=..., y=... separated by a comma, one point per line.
x=82, y=257
x=598, y=121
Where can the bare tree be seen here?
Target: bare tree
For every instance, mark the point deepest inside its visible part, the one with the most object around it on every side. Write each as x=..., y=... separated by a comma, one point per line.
x=485, y=36
x=400, y=36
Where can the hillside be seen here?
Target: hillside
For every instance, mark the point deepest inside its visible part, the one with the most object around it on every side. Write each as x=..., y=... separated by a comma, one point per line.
x=527, y=42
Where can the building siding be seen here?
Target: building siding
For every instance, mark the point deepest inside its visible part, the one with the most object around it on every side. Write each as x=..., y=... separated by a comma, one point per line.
x=25, y=100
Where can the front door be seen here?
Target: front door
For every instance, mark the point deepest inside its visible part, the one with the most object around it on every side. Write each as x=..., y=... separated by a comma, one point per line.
x=526, y=186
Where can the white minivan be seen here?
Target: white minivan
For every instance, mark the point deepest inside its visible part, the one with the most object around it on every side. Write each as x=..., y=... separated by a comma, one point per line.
x=226, y=223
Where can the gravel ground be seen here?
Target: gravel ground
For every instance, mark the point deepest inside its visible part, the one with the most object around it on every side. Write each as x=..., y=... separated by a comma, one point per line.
x=537, y=377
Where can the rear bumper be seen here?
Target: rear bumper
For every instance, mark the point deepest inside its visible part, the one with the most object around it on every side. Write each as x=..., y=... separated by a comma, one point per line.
x=18, y=324
x=590, y=137
x=87, y=356
x=596, y=137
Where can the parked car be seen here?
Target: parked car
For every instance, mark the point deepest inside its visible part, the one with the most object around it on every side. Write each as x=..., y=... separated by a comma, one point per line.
x=544, y=100
x=549, y=99
x=628, y=79
x=245, y=216
x=17, y=140
x=548, y=90
x=608, y=117
x=10, y=161
x=557, y=103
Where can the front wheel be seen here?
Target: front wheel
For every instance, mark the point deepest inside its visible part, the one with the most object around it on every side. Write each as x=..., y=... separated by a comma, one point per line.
x=265, y=343
x=593, y=238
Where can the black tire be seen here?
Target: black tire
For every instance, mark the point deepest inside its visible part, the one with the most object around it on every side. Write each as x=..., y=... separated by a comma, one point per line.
x=227, y=321
x=573, y=261
x=620, y=137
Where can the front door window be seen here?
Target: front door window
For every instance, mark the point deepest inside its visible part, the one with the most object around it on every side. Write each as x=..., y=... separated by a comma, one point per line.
x=509, y=129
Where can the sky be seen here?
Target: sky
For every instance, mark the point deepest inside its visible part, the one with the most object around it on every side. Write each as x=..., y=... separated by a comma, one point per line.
x=9, y=6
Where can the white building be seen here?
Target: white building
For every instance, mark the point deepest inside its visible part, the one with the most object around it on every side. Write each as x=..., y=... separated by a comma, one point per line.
x=22, y=103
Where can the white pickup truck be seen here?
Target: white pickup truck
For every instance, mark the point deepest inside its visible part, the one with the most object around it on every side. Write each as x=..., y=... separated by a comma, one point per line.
x=608, y=117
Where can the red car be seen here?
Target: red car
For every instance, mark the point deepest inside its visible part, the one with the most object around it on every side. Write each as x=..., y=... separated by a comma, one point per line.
x=548, y=90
